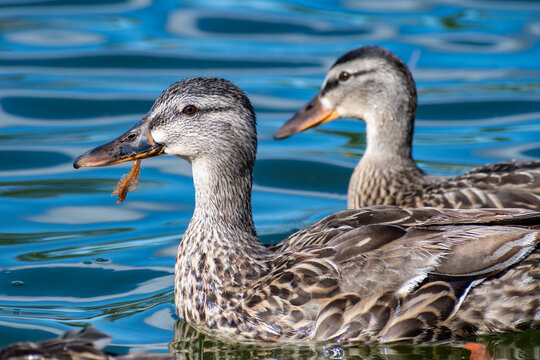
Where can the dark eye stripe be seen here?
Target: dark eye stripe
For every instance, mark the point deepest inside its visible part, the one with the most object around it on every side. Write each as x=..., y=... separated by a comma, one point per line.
x=330, y=84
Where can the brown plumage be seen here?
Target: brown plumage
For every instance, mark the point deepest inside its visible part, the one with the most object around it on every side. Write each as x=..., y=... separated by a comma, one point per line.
x=373, y=84
x=379, y=274
x=85, y=344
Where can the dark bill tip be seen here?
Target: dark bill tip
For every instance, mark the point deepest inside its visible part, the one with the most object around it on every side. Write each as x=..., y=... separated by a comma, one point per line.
x=137, y=143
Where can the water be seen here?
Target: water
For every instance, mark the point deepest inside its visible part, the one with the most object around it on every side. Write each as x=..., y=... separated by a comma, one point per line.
x=77, y=74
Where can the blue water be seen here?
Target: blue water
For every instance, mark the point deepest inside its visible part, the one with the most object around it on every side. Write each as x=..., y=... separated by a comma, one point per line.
x=76, y=74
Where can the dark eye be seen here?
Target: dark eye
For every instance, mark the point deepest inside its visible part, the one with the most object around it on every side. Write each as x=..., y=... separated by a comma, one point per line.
x=189, y=109
x=344, y=76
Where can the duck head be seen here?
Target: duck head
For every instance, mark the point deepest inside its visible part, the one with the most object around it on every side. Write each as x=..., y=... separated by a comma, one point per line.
x=368, y=83
x=196, y=118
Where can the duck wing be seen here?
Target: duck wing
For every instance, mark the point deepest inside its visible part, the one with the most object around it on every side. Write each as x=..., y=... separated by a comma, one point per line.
x=343, y=222
x=387, y=274
x=508, y=184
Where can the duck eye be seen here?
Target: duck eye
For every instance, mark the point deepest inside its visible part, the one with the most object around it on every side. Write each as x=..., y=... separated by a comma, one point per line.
x=189, y=109
x=344, y=76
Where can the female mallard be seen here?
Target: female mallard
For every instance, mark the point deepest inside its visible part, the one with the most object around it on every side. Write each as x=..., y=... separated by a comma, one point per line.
x=85, y=344
x=377, y=274
x=373, y=84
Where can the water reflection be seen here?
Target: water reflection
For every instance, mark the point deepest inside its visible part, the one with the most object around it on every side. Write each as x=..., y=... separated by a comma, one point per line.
x=61, y=284
x=190, y=343
x=469, y=42
x=40, y=7
x=282, y=29
x=54, y=38
x=69, y=108
x=87, y=215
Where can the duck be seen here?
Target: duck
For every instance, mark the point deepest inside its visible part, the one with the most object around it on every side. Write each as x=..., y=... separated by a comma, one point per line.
x=373, y=84
x=378, y=274
x=75, y=344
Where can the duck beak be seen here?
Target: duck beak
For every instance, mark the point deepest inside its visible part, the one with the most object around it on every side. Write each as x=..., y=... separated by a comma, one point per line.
x=136, y=143
x=314, y=113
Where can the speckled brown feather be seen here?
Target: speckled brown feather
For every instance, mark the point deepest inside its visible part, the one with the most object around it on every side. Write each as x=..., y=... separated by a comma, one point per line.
x=86, y=344
x=355, y=276
x=503, y=185
x=380, y=90
x=379, y=274
x=382, y=275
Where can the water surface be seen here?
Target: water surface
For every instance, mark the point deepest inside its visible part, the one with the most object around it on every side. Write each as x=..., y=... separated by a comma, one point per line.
x=76, y=74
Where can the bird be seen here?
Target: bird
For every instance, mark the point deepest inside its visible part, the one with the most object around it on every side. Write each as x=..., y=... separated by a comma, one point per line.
x=75, y=344
x=379, y=274
x=373, y=84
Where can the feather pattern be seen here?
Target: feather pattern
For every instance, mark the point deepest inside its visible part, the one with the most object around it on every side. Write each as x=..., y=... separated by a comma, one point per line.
x=85, y=344
x=377, y=274
x=379, y=88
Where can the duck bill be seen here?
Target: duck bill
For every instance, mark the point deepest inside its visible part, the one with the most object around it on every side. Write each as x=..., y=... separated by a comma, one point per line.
x=136, y=143
x=314, y=113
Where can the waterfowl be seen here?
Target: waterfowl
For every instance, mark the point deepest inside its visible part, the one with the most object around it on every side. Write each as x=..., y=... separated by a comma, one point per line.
x=373, y=84
x=378, y=274
x=85, y=344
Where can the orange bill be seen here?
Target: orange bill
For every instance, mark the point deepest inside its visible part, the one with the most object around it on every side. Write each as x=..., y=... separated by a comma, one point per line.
x=312, y=114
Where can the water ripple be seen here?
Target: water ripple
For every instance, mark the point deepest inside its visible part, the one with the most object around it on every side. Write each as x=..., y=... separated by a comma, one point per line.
x=77, y=74
x=268, y=28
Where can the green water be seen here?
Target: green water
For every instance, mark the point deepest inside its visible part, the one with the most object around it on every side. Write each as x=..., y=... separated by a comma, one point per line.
x=76, y=74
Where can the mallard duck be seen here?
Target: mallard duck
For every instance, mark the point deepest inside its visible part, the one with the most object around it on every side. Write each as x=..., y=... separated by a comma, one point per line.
x=373, y=84
x=85, y=344
x=378, y=274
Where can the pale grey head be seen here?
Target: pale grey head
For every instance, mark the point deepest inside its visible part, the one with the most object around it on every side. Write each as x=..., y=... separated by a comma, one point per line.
x=196, y=119
x=202, y=118
x=368, y=83
x=366, y=79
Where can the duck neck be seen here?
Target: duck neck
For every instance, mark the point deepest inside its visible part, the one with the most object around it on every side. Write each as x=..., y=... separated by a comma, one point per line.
x=220, y=253
x=387, y=163
x=389, y=138
x=223, y=195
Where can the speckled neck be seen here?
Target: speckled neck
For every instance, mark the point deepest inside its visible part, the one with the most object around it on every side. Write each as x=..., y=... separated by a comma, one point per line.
x=387, y=166
x=220, y=254
x=384, y=183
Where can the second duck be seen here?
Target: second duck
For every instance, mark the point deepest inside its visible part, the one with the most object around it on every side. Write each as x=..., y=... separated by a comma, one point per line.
x=373, y=84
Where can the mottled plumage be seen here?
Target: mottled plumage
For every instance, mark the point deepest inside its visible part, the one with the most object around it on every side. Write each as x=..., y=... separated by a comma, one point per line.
x=86, y=344
x=373, y=84
x=379, y=274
